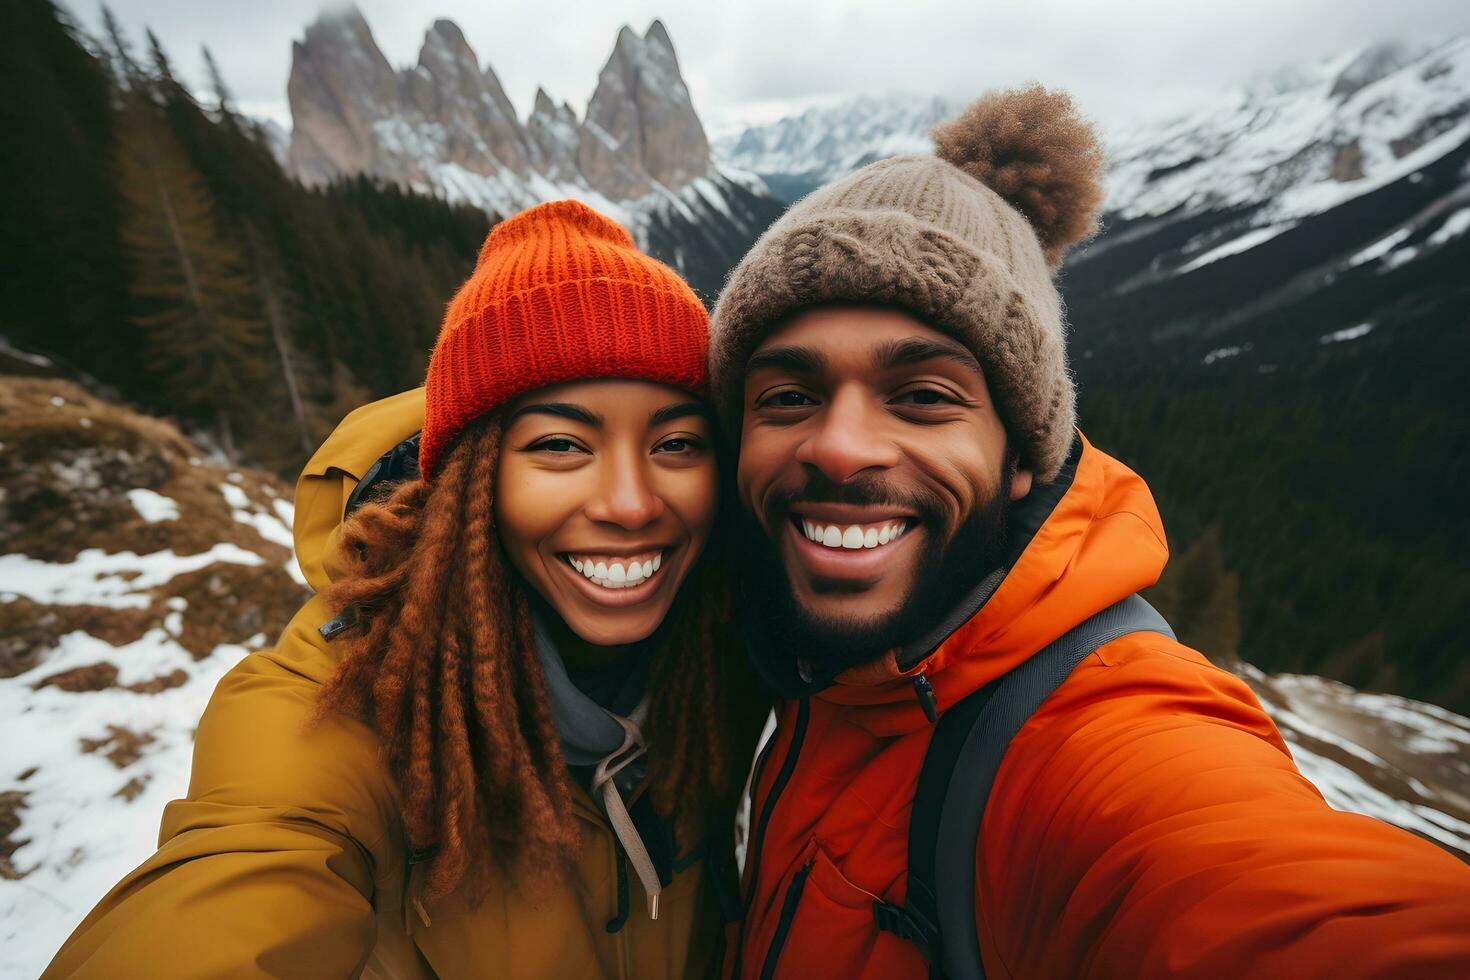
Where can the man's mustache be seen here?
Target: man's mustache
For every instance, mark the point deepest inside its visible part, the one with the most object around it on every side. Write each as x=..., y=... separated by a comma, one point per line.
x=870, y=491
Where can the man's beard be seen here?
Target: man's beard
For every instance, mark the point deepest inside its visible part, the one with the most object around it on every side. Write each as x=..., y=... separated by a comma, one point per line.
x=946, y=571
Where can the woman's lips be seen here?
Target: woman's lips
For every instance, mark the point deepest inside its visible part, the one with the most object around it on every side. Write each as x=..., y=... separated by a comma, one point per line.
x=615, y=580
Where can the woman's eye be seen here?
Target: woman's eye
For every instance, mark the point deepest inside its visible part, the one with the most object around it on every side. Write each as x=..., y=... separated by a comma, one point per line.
x=923, y=396
x=557, y=446
x=786, y=399
x=678, y=446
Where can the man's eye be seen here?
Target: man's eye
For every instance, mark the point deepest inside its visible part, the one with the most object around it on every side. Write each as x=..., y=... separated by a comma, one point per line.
x=557, y=446
x=786, y=399
x=923, y=396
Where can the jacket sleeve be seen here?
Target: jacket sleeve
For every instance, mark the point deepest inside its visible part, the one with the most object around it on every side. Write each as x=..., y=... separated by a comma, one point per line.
x=265, y=869
x=1149, y=821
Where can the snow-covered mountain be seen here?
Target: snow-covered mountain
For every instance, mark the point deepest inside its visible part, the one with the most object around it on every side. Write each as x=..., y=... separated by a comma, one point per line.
x=800, y=153
x=1300, y=146
x=445, y=126
x=1352, y=163
x=1298, y=143
x=1302, y=138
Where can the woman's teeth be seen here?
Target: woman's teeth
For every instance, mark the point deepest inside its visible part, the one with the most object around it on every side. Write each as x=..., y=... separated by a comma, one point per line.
x=616, y=574
x=854, y=536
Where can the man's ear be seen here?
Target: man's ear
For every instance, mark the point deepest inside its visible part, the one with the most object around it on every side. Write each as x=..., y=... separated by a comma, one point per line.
x=1020, y=484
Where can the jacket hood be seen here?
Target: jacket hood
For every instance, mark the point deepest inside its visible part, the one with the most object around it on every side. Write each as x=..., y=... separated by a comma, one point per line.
x=1079, y=544
x=333, y=472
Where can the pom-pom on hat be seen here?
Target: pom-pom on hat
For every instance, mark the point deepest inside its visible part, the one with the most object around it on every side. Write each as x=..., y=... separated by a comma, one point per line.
x=559, y=293
x=967, y=240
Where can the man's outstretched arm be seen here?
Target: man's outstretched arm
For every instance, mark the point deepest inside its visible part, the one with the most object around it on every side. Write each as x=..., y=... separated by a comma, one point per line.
x=1149, y=821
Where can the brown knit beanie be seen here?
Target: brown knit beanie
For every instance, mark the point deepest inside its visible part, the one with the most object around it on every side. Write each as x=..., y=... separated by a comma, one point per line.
x=967, y=240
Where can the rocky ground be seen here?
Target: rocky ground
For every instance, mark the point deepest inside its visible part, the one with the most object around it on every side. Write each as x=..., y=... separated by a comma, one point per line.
x=134, y=571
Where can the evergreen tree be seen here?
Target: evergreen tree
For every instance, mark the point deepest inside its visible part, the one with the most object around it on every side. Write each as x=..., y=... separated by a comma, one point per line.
x=124, y=66
x=1201, y=600
x=191, y=294
x=62, y=279
x=281, y=312
x=217, y=83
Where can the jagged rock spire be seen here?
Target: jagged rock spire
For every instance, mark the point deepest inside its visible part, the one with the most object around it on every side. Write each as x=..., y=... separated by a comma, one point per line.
x=643, y=105
x=446, y=124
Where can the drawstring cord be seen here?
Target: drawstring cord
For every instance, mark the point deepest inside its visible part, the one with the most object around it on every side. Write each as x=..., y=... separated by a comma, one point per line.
x=617, y=812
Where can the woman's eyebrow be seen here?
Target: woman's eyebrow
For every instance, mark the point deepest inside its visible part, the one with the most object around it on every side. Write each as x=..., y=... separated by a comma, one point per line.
x=680, y=411
x=561, y=410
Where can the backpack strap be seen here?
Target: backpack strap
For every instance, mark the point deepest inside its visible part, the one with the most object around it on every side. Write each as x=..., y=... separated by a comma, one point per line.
x=396, y=465
x=971, y=737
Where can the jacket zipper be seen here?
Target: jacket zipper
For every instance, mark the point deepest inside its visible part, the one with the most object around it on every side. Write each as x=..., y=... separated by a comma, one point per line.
x=758, y=834
x=788, y=912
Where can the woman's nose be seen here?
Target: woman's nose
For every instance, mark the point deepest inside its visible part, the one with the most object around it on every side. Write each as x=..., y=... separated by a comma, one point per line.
x=624, y=497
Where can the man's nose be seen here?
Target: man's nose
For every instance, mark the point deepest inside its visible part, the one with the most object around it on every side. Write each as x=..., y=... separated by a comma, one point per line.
x=848, y=439
x=624, y=496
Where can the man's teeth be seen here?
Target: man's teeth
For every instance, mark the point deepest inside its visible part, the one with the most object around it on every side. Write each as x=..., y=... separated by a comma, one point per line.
x=854, y=536
x=618, y=574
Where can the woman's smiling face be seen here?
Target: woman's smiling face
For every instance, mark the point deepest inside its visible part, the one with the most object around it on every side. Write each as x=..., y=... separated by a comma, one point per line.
x=605, y=496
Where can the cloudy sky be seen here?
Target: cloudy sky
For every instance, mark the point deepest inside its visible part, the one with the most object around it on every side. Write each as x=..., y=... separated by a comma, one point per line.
x=755, y=59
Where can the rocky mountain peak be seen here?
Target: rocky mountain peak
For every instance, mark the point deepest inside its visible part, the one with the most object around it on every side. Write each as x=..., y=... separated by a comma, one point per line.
x=445, y=126
x=469, y=106
x=446, y=50
x=658, y=34
x=447, y=121
x=643, y=107
x=340, y=84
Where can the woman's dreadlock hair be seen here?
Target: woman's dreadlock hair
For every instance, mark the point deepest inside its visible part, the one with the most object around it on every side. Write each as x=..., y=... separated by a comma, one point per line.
x=441, y=662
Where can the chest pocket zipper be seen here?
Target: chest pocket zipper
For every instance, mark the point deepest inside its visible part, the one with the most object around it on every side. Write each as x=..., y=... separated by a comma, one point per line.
x=788, y=912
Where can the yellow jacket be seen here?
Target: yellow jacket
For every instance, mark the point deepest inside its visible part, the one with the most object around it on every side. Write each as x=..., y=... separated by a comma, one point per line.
x=287, y=858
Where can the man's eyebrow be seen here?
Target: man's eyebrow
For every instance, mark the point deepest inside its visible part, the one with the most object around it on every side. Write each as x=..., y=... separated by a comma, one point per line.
x=680, y=411
x=800, y=360
x=914, y=350
x=561, y=410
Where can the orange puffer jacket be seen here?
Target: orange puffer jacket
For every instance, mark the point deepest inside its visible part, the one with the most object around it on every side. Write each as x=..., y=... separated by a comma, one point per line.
x=1146, y=821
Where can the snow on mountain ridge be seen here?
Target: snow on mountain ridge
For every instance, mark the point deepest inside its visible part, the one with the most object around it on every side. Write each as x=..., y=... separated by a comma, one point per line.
x=1294, y=143
x=1300, y=151
x=823, y=143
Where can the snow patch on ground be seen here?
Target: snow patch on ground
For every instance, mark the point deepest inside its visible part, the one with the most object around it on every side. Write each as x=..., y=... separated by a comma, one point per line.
x=87, y=820
x=95, y=578
x=153, y=507
x=274, y=527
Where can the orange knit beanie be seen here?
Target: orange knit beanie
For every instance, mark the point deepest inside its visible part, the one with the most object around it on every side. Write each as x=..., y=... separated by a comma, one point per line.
x=559, y=292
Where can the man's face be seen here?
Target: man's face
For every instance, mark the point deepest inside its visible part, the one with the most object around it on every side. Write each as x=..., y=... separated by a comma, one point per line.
x=875, y=463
